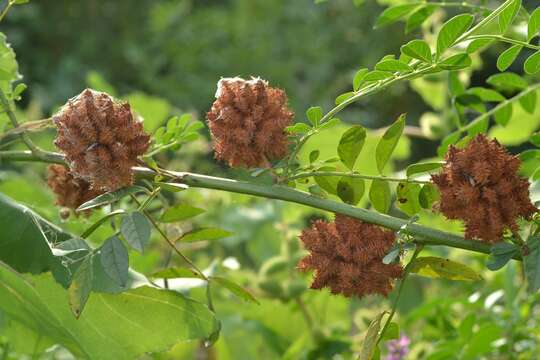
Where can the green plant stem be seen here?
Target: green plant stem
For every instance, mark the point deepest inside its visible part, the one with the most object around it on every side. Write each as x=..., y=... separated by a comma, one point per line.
x=465, y=5
x=488, y=114
x=11, y=115
x=465, y=36
x=6, y=9
x=5, y=352
x=400, y=287
x=26, y=155
x=505, y=39
x=364, y=92
x=98, y=223
x=307, y=316
x=170, y=242
x=354, y=175
x=422, y=234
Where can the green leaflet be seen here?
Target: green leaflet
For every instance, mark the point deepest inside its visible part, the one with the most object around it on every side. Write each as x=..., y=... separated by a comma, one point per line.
x=452, y=30
x=435, y=267
x=350, y=145
x=136, y=230
x=388, y=143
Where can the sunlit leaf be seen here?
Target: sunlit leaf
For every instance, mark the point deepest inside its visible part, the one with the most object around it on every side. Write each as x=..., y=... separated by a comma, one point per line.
x=205, y=234
x=314, y=115
x=417, y=49
x=429, y=194
x=123, y=326
x=341, y=98
x=393, y=66
x=528, y=102
x=503, y=114
x=180, y=212
x=532, y=64
x=507, y=81
x=234, y=288
x=478, y=44
x=452, y=30
x=380, y=195
x=456, y=62
x=377, y=75
x=175, y=273
x=508, y=15
x=350, y=145
x=436, y=267
x=359, y=78
x=418, y=17
x=407, y=197
x=423, y=167
x=394, y=13
x=508, y=57
x=350, y=190
x=534, y=24
x=388, y=142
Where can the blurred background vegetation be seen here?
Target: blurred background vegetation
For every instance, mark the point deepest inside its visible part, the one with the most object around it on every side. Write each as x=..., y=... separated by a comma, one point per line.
x=166, y=57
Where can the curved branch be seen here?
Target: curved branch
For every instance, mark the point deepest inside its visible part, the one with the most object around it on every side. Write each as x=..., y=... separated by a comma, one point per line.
x=422, y=234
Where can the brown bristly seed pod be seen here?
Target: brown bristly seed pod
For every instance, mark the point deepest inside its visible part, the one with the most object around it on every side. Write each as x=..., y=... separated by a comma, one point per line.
x=347, y=257
x=71, y=192
x=480, y=185
x=101, y=139
x=247, y=122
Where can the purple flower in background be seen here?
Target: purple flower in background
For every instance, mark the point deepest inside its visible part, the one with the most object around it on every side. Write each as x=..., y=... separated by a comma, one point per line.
x=398, y=349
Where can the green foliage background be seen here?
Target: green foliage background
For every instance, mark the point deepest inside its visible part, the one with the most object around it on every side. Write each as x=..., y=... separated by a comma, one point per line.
x=165, y=57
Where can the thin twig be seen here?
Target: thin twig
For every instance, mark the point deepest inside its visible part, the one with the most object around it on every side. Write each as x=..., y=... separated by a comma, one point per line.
x=354, y=175
x=417, y=251
x=171, y=244
x=6, y=9
x=307, y=316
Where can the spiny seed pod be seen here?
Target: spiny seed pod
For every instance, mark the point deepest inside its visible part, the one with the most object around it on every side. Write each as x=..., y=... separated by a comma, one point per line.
x=347, y=257
x=481, y=186
x=101, y=139
x=247, y=122
x=70, y=191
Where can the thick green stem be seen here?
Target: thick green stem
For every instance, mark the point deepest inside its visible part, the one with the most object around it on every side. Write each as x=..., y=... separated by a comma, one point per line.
x=422, y=234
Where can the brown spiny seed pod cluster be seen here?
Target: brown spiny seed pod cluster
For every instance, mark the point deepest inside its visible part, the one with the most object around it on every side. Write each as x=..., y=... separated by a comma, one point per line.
x=71, y=192
x=101, y=139
x=480, y=185
x=347, y=257
x=248, y=121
